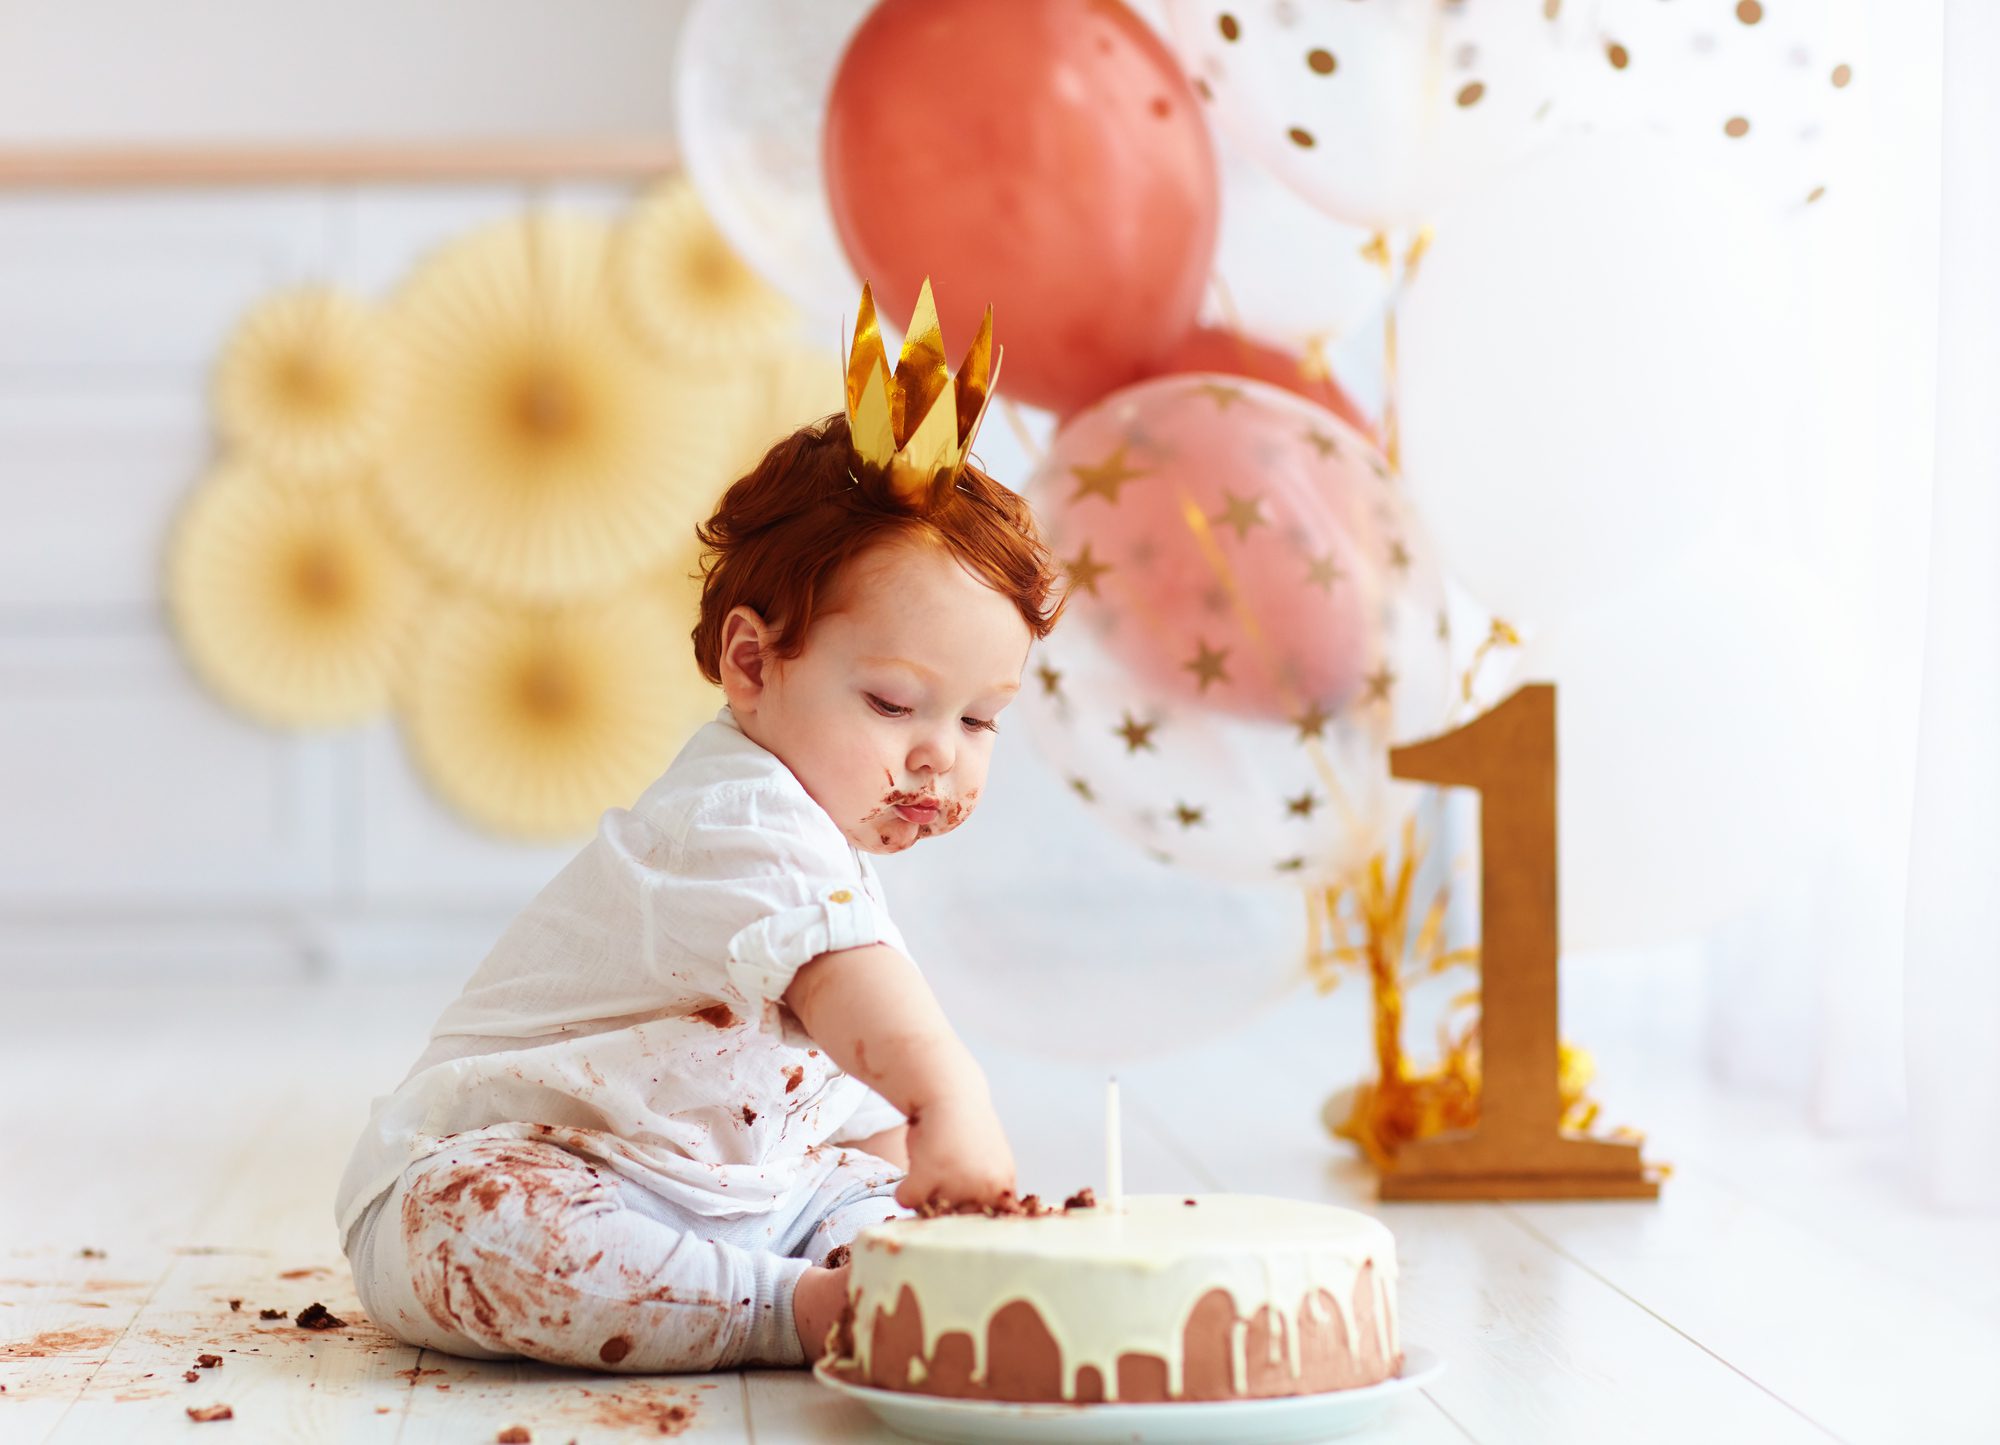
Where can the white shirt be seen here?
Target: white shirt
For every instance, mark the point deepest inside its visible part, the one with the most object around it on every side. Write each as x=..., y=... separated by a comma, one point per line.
x=633, y=1010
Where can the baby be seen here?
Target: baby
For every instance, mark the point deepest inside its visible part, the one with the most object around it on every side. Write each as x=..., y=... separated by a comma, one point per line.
x=701, y=1061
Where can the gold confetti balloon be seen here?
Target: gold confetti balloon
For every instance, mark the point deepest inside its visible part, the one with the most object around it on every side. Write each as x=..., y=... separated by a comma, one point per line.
x=290, y=602
x=1766, y=90
x=1254, y=618
x=1378, y=113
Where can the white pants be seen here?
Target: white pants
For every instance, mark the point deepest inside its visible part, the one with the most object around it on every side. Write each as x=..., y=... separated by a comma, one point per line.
x=497, y=1248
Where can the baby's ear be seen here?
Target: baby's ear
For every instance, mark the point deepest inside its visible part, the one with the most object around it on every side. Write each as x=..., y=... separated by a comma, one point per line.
x=744, y=634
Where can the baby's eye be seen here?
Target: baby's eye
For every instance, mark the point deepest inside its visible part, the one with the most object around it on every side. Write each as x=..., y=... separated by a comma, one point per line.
x=981, y=725
x=886, y=708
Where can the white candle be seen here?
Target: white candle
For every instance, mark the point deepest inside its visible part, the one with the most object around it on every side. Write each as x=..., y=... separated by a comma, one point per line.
x=1114, y=1176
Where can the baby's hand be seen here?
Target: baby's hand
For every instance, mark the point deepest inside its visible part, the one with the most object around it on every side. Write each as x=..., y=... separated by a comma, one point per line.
x=958, y=1153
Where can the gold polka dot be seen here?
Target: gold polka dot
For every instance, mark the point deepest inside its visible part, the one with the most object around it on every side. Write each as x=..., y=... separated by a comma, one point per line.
x=840, y=895
x=1321, y=61
x=1471, y=93
x=1737, y=127
x=1551, y=9
x=1815, y=194
x=1749, y=11
x=1617, y=54
x=1841, y=75
x=1226, y=23
x=1301, y=138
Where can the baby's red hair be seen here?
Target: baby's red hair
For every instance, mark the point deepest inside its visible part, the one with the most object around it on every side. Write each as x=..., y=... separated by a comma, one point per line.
x=782, y=535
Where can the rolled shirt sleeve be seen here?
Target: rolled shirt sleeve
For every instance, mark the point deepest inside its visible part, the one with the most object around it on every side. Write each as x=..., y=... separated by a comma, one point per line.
x=756, y=882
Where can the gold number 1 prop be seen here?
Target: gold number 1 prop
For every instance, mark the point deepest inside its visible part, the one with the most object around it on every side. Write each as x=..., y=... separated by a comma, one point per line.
x=1517, y=1150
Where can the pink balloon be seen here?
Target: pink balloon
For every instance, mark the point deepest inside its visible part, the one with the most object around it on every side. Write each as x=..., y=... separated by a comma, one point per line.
x=1225, y=540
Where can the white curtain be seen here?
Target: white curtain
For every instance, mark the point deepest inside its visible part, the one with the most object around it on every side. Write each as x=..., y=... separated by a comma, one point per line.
x=1952, y=961
x=1871, y=986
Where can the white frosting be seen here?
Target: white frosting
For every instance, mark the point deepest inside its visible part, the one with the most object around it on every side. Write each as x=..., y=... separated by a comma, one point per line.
x=1110, y=1284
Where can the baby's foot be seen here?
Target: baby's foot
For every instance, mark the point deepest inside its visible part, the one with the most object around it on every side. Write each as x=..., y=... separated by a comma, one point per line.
x=817, y=1300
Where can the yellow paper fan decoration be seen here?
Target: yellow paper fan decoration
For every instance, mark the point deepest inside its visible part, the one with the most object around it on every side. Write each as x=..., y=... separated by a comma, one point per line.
x=532, y=722
x=790, y=389
x=686, y=294
x=290, y=603
x=309, y=385
x=544, y=457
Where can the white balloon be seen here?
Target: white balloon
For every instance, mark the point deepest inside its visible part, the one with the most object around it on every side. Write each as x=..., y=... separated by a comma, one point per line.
x=751, y=81
x=1376, y=113
x=1596, y=367
x=1698, y=728
x=1286, y=272
x=1770, y=92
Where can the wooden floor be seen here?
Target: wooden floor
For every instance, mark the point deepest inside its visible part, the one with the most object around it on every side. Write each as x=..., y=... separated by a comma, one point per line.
x=164, y=1154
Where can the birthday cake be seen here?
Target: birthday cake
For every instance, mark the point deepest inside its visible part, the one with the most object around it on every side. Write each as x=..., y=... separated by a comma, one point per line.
x=1215, y=1297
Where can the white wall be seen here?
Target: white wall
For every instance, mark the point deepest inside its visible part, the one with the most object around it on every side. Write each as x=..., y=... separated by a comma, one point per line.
x=91, y=71
x=147, y=827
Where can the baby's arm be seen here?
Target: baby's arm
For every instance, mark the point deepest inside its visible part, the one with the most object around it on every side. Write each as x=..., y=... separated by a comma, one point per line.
x=875, y=1016
x=891, y=1144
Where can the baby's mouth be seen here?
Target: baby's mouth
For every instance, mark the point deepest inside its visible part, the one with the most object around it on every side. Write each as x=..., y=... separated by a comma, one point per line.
x=918, y=813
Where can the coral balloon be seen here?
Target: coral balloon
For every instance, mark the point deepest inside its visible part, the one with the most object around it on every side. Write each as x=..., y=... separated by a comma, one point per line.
x=1216, y=348
x=1073, y=185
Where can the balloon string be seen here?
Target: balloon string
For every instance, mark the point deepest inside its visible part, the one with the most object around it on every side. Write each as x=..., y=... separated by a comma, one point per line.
x=1434, y=71
x=1231, y=318
x=1501, y=634
x=1378, y=251
x=1219, y=566
x=1020, y=429
x=1312, y=363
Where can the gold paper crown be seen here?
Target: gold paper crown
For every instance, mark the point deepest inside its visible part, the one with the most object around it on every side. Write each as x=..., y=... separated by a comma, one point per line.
x=916, y=427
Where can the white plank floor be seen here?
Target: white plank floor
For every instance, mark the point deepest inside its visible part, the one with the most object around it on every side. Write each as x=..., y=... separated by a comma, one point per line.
x=1784, y=1288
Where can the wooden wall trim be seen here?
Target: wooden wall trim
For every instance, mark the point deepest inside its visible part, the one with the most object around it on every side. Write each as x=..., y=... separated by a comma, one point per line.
x=111, y=166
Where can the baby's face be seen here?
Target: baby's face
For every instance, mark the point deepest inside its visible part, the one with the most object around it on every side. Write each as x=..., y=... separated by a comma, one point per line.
x=888, y=715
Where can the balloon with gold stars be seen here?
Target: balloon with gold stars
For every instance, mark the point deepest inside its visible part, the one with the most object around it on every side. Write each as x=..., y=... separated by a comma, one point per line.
x=1377, y=113
x=1254, y=618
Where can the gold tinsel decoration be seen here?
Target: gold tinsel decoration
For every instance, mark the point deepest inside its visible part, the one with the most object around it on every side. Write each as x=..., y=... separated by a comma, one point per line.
x=290, y=603
x=544, y=457
x=309, y=384
x=1369, y=922
x=687, y=296
x=533, y=721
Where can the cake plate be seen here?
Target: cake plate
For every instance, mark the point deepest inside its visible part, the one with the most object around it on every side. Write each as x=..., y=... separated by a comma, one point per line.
x=1280, y=1421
